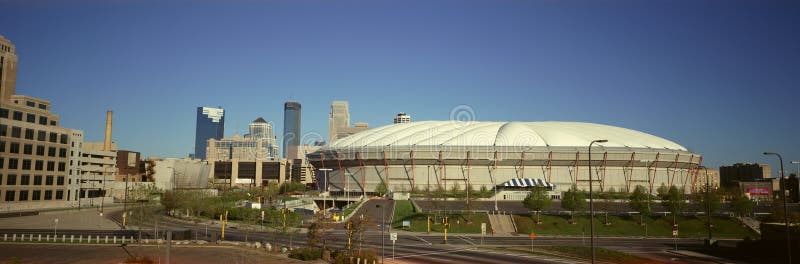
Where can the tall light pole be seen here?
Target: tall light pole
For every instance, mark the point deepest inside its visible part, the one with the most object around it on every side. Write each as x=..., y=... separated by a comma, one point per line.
x=785, y=209
x=797, y=175
x=708, y=207
x=591, y=200
x=324, y=198
x=383, y=222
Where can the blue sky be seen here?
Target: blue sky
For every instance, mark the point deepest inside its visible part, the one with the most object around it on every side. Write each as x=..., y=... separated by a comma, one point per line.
x=719, y=77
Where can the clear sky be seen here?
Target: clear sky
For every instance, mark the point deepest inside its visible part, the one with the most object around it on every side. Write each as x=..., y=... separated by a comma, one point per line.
x=718, y=77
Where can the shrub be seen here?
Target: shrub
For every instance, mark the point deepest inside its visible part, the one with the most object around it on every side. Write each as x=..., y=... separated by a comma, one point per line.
x=306, y=253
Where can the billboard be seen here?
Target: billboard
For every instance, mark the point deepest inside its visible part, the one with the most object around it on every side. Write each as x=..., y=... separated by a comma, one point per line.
x=758, y=191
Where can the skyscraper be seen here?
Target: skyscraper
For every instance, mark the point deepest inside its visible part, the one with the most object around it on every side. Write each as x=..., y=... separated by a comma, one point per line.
x=401, y=118
x=291, y=126
x=210, y=124
x=259, y=129
x=339, y=122
x=8, y=69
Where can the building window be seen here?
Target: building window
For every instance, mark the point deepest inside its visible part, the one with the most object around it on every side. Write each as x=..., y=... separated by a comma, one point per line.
x=17, y=116
x=60, y=180
x=25, y=179
x=16, y=132
x=29, y=133
x=13, y=164
x=39, y=150
x=53, y=137
x=59, y=194
x=43, y=106
x=14, y=148
x=2, y=146
x=51, y=166
x=62, y=152
x=1, y=179
x=52, y=122
x=51, y=151
x=3, y=130
x=30, y=103
x=48, y=195
x=31, y=118
x=11, y=179
x=37, y=179
x=10, y=196
x=43, y=120
x=62, y=166
x=26, y=164
x=23, y=195
x=27, y=149
x=48, y=180
x=3, y=113
x=63, y=138
x=2, y=162
x=42, y=136
x=37, y=195
x=39, y=165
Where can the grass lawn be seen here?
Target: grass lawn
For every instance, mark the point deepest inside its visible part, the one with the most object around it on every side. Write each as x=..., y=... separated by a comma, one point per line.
x=657, y=226
x=352, y=207
x=601, y=254
x=404, y=211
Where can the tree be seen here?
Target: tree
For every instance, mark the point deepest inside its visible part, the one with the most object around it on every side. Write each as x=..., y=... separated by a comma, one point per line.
x=604, y=205
x=357, y=227
x=318, y=232
x=674, y=201
x=538, y=200
x=381, y=189
x=639, y=200
x=171, y=200
x=484, y=191
x=573, y=200
x=662, y=190
x=455, y=190
x=741, y=204
x=708, y=200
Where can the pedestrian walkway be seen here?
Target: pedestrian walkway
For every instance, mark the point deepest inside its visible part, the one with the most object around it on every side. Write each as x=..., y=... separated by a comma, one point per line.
x=752, y=224
x=88, y=218
x=501, y=224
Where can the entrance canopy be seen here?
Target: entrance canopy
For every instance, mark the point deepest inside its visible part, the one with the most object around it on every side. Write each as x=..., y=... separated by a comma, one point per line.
x=528, y=182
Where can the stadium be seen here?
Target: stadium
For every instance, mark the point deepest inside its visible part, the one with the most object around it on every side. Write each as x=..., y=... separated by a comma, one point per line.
x=503, y=156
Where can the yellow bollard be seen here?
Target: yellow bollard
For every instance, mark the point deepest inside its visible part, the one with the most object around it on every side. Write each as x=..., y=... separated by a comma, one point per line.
x=223, y=226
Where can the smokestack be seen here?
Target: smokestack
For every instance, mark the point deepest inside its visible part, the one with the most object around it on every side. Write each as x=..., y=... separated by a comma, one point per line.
x=107, y=145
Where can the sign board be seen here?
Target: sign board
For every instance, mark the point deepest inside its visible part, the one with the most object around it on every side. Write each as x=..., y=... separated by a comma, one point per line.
x=406, y=223
x=392, y=236
x=532, y=236
x=483, y=229
x=674, y=230
x=758, y=191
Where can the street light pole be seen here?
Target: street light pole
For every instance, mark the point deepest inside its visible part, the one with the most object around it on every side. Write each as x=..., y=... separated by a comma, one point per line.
x=591, y=200
x=324, y=198
x=785, y=209
x=708, y=207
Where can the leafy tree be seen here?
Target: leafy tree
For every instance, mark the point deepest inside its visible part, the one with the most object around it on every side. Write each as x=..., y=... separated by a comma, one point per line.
x=573, y=200
x=318, y=232
x=674, y=201
x=662, y=190
x=381, y=189
x=484, y=191
x=639, y=200
x=708, y=200
x=172, y=200
x=455, y=190
x=538, y=200
x=741, y=204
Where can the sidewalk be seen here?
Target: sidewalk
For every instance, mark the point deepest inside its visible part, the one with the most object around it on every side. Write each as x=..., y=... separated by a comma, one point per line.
x=87, y=218
x=700, y=256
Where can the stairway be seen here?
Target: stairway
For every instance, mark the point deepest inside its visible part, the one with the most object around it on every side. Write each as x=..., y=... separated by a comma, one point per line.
x=502, y=224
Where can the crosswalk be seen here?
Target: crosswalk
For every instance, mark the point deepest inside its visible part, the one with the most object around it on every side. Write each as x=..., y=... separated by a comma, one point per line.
x=531, y=256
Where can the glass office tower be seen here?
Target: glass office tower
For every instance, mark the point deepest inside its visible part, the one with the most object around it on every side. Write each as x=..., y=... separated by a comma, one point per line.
x=291, y=125
x=210, y=124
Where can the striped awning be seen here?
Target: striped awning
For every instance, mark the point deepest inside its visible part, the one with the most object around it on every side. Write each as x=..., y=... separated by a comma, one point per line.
x=527, y=182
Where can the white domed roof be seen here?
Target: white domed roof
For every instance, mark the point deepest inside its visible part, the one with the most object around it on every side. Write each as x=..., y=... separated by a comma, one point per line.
x=502, y=134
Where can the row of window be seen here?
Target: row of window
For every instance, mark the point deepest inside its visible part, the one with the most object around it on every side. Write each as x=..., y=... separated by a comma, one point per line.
x=25, y=179
x=38, y=165
x=35, y=195
x=30, y=134
x=29, y=117
x=27, y=149
x=33, y=104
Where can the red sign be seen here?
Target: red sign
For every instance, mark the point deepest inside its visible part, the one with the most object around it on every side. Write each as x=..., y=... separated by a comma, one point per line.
x=758, y=191
x=533, y=236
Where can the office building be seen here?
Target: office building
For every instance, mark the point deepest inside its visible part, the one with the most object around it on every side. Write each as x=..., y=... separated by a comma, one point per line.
x=401, y=118
x=731, y=175
x=291, y=126
x=259, y=144
x=210, y=125
x=172, y=173
x=339, y=122
x=8, y=69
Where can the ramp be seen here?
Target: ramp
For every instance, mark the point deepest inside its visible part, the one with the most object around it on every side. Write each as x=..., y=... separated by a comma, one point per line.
x=502, y=224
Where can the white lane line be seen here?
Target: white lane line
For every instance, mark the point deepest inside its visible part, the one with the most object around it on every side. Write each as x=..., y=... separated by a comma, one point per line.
x=434, y=253
x=465, y=239
x=423, y=240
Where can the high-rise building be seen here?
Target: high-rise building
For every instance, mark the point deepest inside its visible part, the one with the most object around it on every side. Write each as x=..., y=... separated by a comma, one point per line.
x=291, y=126
x=401, y=118
x=210, y=125
x=339, y=122
x=742, y=172
x=259, y=129
x=259, y=144
x=8, y=69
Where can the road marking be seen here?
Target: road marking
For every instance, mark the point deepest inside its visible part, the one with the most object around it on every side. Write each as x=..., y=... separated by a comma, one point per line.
x=465, y=239
x=423, y=240
x=435, y=253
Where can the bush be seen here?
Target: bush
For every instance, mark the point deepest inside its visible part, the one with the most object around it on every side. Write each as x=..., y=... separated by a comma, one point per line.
x=306, y=253
x=367, y=256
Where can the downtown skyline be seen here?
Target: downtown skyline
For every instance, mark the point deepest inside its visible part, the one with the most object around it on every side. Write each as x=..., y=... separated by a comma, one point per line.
x=665, y=70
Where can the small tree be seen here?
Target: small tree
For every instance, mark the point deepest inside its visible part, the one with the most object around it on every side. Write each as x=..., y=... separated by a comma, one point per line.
x=639, y=200
x=573, y=200
x=538, y=200
x=381, y=189
x=708, y=200
x=741, y=205
x=674, y=201
x=484, y=191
